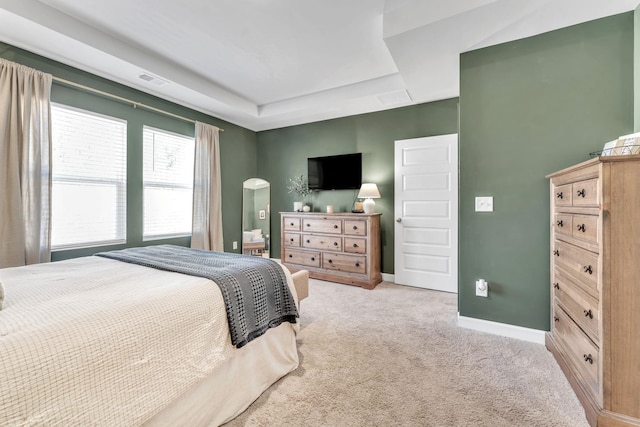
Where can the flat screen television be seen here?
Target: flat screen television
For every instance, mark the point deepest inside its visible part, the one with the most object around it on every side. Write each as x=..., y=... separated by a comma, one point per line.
x=342, y=172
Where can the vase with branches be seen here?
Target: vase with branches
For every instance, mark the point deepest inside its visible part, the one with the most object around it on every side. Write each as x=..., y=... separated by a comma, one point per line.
x=299, y=186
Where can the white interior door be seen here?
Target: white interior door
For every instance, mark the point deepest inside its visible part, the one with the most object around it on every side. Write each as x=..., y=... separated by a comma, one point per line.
x=426, y=212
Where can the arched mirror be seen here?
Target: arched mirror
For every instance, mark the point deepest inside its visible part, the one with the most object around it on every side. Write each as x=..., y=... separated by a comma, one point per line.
x=256, y=200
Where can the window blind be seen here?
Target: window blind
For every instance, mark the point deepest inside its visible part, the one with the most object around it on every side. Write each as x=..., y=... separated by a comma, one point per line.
x=168, y=183
x=89, y=186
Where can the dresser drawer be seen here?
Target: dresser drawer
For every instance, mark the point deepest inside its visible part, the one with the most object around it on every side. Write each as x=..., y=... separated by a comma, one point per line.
x=325, y=225
x=579, y=264
x=564, y=224
x=355, y=246
x=579, y=350
x=563, y=195
x=333, y=243
x=342, y=262
x=585, y=193
x=585, y=227
x=291, y=239
x=306, y=258
x=582, y=308
x=355, y=227
x=291, y=223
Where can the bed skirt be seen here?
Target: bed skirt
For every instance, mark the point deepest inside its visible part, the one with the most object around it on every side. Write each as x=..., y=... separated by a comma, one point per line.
x=214, y=401
x=217, y=399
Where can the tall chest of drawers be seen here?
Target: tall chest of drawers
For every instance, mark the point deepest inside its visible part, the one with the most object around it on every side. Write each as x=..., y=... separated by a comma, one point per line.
x=339, y=247
x=595, y=285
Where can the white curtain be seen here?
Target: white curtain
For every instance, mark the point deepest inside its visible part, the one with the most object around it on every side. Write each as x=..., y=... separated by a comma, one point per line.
x=207, y=190
x=25, y=165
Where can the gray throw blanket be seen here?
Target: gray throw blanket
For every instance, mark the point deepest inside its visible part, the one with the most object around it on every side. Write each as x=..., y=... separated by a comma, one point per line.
x=255, y=290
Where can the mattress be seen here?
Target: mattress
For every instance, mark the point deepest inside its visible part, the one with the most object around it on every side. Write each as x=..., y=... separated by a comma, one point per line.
x=94, y=341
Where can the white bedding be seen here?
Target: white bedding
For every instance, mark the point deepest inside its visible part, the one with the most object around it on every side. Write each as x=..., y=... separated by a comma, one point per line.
x=94, y=341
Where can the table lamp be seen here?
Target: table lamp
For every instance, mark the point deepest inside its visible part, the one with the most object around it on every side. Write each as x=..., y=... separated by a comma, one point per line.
x=369, y=191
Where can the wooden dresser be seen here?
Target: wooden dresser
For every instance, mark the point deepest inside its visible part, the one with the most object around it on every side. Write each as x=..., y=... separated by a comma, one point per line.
x=595, y=285
x=339, y=247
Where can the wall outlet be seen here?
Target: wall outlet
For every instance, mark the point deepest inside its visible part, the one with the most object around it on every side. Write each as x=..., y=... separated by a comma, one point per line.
x=482, y=288
x=235, y=244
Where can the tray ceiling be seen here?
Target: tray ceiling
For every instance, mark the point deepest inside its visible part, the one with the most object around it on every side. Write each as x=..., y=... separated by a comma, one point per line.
x=265, y=65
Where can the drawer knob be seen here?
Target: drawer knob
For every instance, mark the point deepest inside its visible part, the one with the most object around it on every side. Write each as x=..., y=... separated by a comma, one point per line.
x=357, y=264
x=308, y=241
x=588, y=313
x=355, y=227
x=308, y=225
x=560, y=223
x=582, y=193
x=335, y=243
x=290, y=256
x=588, y=269
x=556, y=319
x=588, y=358
x=556, y=252
x=582, y=228
x=335, y=226
x=355, y=245
x=291, y=239
x=556, y=285
x=313, y=258
x=330, y=261
x=559, y=195
x=292, y=224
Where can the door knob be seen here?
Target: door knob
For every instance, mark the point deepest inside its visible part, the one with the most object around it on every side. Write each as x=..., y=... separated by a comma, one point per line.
x=399, y=220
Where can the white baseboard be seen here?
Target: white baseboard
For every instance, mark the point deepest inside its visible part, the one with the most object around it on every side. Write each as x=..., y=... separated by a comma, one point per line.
x=502, y=329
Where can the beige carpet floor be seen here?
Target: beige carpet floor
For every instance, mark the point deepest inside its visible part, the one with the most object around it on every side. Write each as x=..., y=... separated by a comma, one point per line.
x=394, y=356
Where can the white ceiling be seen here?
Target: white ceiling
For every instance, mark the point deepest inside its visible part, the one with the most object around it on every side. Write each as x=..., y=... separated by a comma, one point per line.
x=268, y=64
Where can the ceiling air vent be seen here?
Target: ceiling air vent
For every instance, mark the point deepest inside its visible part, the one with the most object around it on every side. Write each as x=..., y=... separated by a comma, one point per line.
x=152, y=79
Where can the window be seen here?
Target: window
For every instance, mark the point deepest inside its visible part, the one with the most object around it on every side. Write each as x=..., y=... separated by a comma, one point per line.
x=168, y=184
x=89, y=184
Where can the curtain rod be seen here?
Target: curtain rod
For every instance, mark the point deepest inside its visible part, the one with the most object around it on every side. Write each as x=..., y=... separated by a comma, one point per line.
x=122, y=99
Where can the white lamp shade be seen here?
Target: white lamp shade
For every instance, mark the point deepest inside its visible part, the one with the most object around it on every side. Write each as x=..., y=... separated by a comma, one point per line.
x=369, y=191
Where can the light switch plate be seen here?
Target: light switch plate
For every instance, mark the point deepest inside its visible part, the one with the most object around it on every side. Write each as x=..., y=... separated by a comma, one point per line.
x=484, y=204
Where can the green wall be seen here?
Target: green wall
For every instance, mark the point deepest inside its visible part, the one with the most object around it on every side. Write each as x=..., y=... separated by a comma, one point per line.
x=237, y=145
x=283, y=154
x=529, y=108
x=248, y=209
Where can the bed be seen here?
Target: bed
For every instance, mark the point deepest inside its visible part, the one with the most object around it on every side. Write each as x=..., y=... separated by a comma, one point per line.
x=97, y=341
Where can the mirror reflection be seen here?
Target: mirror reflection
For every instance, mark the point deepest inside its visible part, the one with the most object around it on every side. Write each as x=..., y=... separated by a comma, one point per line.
x=256, y=199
